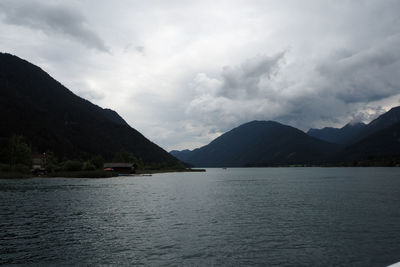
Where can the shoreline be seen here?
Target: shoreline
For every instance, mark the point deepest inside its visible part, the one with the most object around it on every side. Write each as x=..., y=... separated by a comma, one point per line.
x=104, y=174
x=90, y=174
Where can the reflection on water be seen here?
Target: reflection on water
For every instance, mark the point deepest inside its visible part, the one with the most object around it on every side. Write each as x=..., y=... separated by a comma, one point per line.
x=274, y=216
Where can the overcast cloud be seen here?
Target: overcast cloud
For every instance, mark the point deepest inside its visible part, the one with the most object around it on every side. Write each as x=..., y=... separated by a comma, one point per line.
x=183, y=72
x=51, y=19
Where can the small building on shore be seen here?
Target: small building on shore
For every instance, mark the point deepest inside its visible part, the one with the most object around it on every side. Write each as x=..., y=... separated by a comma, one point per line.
x=120, y=167
x=39, y=163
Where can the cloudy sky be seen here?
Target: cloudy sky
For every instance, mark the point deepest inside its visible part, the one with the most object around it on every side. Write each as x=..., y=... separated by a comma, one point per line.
x=183, y=72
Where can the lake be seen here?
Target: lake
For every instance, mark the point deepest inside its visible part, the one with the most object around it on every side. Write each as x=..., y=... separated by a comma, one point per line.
x=255, y=216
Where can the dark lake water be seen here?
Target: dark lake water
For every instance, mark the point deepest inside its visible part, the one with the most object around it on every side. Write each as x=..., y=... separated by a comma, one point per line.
x=260, y=216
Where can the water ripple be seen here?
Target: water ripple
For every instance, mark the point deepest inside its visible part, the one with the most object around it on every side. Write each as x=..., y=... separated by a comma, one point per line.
x=277, y=216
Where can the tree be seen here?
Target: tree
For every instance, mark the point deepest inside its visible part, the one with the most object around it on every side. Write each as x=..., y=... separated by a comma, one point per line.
x=72, y=165
x=19, y=152
x=97, y=161
x=88, y=166
x=50, y=162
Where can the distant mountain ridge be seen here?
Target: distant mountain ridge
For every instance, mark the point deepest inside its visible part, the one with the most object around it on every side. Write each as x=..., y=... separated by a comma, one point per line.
x=384, y=121
x=352, y=133
x=379, y=144
x=260, y=143
x=344, y=135
x=267, y=143
x=379, y=139
x=52, y=118
x=181, y=154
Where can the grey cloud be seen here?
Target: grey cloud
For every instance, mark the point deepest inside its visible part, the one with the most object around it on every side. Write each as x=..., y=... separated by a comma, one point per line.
x=244, y=80
x=130, y=47
x=369, y=114
x=335, y=92
x=52, y=19
x=363, y=76
x=140, y=48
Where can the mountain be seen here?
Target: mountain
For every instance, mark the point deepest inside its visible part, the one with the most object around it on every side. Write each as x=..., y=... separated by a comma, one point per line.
x=267, y=143
x=380, y=145
x=182, y=155
x=343, y=135
x=114, y=116
x=52, y=118
x=352, y=133
x=384, y=121
x=260, y=143
x=379, y=140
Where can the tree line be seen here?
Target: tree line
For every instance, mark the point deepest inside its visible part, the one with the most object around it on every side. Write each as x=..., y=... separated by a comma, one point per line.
x=17, y=156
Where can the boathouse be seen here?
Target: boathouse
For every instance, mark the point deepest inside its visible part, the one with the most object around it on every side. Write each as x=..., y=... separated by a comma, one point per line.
x=120, y=167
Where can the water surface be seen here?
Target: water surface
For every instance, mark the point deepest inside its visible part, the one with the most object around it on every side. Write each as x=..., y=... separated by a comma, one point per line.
x=257, y=216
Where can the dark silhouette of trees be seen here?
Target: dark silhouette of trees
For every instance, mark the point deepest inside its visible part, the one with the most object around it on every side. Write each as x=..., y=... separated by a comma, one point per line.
x=18, y=152
x=97, y=161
